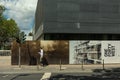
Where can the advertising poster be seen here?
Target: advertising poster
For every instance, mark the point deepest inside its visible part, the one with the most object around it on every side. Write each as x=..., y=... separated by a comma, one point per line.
x=94, y=52
x=87, y=52
x=111, y=51
x=54, y=51
x=68, y=52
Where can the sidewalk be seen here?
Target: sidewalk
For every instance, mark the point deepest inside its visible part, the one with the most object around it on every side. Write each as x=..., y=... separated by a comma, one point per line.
x=8, y=69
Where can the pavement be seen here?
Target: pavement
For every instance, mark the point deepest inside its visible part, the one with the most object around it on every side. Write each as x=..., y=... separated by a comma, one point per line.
x=14, y=69
x=7, y=68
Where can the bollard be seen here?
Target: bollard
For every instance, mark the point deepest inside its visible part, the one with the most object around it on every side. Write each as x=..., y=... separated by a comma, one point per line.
x=82, y=65
x=37, y=65
x=60, y=65
x=19, y=63
x=103, y=65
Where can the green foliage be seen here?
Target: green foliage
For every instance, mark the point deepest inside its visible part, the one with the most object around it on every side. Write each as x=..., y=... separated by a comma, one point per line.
x=30, y=34
x=8, y=29
x=2, y=9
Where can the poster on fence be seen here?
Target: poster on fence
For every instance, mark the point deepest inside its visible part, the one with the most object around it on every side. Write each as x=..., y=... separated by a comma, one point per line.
x=94, y=52
x=54, y=52
x=110, y=51
x=87, y=52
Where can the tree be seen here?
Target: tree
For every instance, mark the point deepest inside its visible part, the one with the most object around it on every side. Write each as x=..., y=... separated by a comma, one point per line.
x=2, y=8
x=30, y=34
x=8, y=29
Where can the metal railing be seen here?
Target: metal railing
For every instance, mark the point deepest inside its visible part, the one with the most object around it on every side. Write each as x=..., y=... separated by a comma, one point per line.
x=5, y=52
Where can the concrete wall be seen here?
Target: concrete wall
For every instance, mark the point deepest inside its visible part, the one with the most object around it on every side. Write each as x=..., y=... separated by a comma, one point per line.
x=5, y=60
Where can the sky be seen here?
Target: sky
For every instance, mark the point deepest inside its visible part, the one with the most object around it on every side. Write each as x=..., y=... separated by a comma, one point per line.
x=22, y=11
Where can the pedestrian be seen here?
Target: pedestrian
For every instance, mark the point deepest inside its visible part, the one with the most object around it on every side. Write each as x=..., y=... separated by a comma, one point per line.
x=41, y=55
x=43, y=59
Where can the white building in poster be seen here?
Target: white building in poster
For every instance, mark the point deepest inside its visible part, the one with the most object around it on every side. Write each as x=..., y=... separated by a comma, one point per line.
x=87, y=51
x=95, y=51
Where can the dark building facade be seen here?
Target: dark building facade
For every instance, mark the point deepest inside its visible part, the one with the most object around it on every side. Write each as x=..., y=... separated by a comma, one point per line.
x=77, y=19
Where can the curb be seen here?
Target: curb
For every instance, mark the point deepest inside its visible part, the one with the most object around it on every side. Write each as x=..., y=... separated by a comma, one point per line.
x=22, y=71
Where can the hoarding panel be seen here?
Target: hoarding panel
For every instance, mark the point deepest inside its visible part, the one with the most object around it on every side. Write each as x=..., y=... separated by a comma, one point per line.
x=111, y=51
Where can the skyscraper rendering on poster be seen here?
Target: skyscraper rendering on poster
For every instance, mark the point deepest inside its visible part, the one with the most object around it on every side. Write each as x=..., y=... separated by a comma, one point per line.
x=94, y=52
x=110, y=51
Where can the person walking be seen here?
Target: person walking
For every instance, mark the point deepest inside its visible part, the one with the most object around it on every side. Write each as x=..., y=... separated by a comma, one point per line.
x=41, y=55
x=43, y=59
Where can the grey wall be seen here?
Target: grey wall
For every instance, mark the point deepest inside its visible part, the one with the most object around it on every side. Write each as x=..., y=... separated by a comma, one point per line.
x=80, y=16
x=39, y=15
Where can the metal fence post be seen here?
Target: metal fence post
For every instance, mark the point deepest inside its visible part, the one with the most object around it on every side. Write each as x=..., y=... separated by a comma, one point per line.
x=60, y=64
x=19, y=57
x=82, y=65
x=103, y=65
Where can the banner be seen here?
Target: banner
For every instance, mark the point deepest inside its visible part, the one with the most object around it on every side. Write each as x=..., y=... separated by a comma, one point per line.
x=68, y=52
x=87, y=52
x=110, y=51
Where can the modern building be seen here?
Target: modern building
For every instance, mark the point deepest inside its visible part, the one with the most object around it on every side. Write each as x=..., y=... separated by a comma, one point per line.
x=77, y=19
x=29, y=38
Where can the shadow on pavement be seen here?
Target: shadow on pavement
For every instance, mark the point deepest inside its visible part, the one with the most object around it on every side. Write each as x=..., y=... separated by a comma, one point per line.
x=98, y=74
x=14, y=78
x=70, y=77
x=113, y=73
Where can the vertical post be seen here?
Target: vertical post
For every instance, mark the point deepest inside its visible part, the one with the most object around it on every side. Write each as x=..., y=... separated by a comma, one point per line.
x=82, y=65
x=19, y=63
x=60, y=64
x=103, y=65
x=37, y=64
